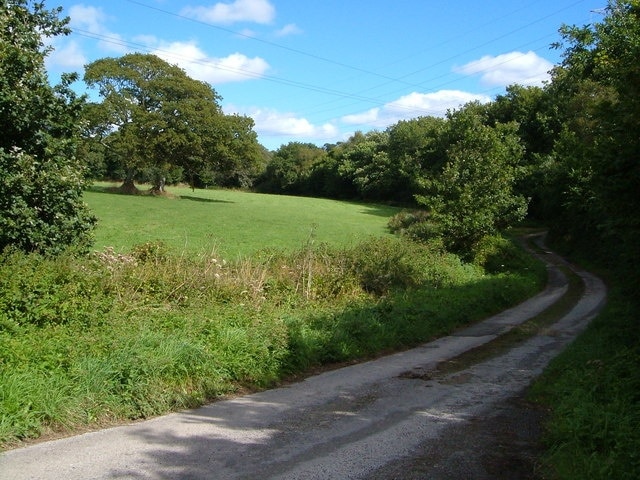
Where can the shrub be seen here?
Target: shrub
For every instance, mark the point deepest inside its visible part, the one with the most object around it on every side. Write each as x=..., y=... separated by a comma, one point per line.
x=497, y=254
x=405, y=219
x=41, y=181
x=151, y=252
x=130, y=335
x=383, y=264
x=37, y=290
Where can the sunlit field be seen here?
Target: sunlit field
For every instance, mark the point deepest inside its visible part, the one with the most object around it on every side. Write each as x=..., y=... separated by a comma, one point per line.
x=231, y=223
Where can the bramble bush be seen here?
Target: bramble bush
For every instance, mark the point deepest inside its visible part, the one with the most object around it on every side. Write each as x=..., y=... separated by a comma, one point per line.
x=44, y=291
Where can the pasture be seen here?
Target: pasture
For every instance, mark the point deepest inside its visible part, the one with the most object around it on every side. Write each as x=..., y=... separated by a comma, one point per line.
x=230, y=223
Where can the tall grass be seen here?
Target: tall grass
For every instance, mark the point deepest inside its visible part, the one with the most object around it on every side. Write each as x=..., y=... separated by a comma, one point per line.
x=125, y=335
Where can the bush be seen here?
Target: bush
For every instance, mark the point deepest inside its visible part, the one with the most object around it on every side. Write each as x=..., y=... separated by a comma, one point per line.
x=384, y=264
x=405, y=219
x=41, y=208
x=41, y=182
x=151, y=252
x=36, y=290
x=417, y=226
x=497, y=254
x=112, y=336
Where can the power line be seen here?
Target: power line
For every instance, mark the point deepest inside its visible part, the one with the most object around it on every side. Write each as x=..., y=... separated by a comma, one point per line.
x=271, y=78
x=339, y=95
x=267, y=42
x=333, y=92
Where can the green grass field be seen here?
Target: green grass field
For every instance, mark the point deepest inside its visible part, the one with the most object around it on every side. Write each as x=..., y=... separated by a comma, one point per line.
x=231, y=223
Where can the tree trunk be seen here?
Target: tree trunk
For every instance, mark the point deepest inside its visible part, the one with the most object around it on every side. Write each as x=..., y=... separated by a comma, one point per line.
x=158, y=187
x=128, y=186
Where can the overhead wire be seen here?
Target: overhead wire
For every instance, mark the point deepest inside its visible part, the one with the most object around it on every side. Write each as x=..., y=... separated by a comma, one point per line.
x=389, y=79
x=339, y=95
x=305, y=86
x=460, y=77
x=477, y=47
x=244, y=72
x=261, y=40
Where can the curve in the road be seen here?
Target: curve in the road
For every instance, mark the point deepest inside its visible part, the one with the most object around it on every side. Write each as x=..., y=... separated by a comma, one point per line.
x=346, y=423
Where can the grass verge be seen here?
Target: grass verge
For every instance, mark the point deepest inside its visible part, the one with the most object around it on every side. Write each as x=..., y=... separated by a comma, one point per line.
x=592, y=392
x=88, y=342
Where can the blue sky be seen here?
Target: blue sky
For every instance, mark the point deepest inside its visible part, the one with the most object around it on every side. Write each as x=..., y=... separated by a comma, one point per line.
x=319, y=70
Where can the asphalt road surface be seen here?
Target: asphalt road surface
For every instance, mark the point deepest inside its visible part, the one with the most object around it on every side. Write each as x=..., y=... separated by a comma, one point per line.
x=384, y=419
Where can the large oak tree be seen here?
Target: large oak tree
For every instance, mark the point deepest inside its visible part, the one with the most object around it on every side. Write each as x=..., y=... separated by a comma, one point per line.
x=154, y=116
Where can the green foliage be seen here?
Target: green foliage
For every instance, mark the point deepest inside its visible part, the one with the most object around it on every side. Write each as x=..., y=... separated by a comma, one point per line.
x=365, y=163
x=112, y=336
x=588, y=191
x=447, y=295
x=497, y=254
x=154, y=116
x=535, y=112
x=403, y=220
x=593, y=173
x=41, y=206
x=385, y=264
x=474, y=194
x=290, y=168
x=150, y=252
x=40, y=180
x=417, y=148
x=36, y=290
x=593, y=391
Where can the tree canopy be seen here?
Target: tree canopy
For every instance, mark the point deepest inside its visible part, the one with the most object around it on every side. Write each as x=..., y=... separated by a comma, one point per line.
x=154, y=117
x=41, y=181
x=473, y=195
x=593, y=172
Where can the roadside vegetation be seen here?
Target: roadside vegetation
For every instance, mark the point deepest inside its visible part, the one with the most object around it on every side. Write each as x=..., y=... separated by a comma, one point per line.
x=593, y=392
x=89, y=341
x=591, y=389
x=142, y=304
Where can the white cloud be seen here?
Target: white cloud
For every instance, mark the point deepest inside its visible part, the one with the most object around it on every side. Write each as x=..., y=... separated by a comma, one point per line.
x=269, y=122
x=290, y=29
x=88, y=18
x=92, y=20
x=232, y=68
x=368, y=117
x=509, y=68
x=413, y=105
x=257, y=11
x=67, y=56
x=247, y=33
x=146, y=39
x=89, y=22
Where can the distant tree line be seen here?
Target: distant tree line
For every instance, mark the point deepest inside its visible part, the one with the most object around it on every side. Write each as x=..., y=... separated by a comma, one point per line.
x=566, y=154
x=568, y=151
